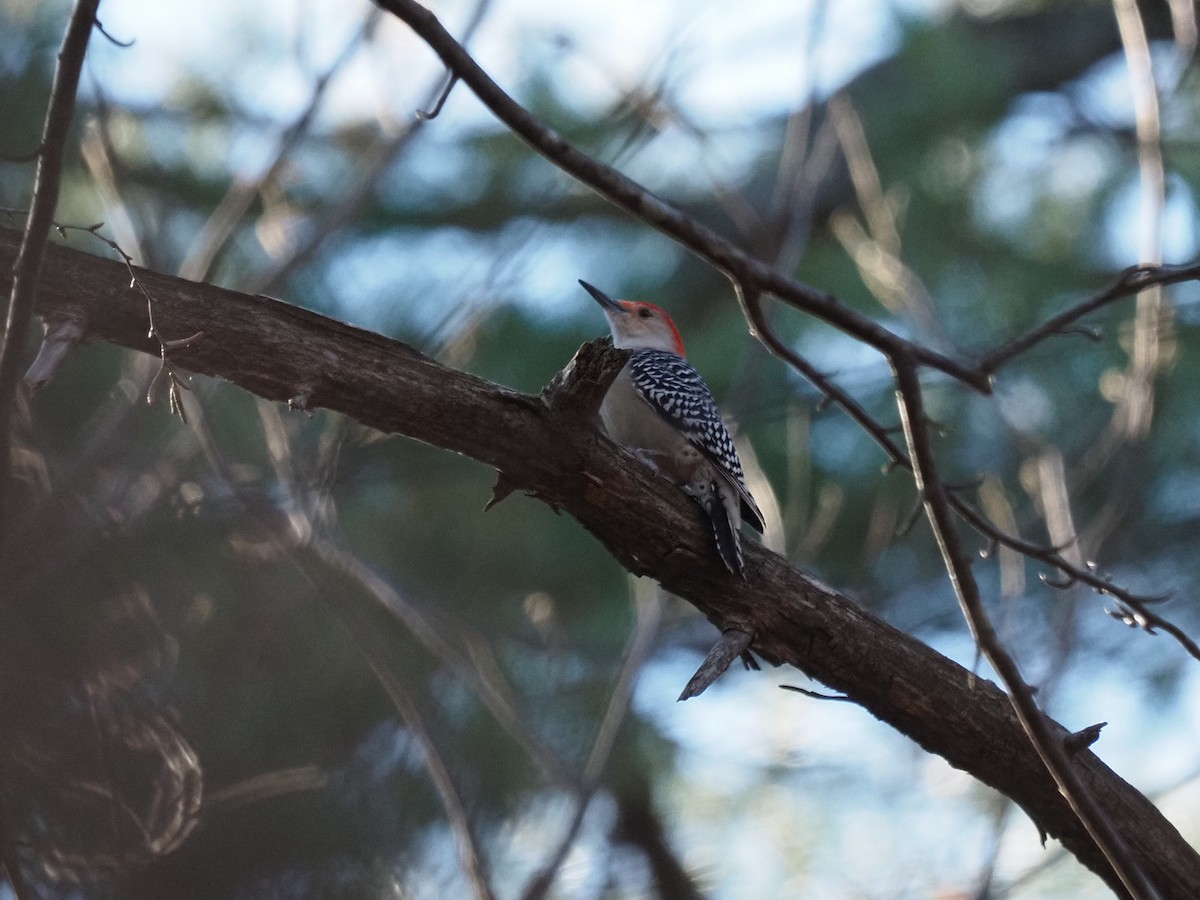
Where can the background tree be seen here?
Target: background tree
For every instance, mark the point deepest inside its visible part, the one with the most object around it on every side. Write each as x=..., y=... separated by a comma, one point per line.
x=262, y=652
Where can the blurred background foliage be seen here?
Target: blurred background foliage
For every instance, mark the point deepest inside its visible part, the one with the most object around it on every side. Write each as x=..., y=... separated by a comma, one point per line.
x=238, y=649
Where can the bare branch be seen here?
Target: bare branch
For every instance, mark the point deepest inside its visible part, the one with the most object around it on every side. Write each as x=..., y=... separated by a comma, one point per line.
x=124, y=45
x=264, y=786
x=938, y=511
x=1131, y=281
x=370, y=169
x=28, y=264
x=645, y=206
x=1052, y=556
x=733, y=643
x=751, y=302
x=368, y=640
x=439, y=774
x=443, y=95
x=490, y=693
x=1072, y=574
x=650, y=603
x=817, y=695
x=26, y=270
x=175, y=384
x=224, y=220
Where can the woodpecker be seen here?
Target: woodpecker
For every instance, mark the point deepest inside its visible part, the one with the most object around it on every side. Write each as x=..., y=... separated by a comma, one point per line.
x=660, y=408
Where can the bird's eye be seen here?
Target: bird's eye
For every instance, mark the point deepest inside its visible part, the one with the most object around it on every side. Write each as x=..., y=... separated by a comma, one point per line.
x=645, y=313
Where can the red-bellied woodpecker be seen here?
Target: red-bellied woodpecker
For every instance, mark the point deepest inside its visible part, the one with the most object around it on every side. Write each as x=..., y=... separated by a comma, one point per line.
x=660, y=407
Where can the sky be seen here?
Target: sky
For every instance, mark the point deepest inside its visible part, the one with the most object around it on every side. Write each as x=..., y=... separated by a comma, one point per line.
x=620, y=42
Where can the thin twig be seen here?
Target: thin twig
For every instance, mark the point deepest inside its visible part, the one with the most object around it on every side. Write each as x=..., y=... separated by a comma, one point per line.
x=876, y=250
x=751, y=302
x=366, y=639
x=939, y=512
x=371, y=169
x=435, y=108
x=221, y=224
x=817, y=695
x=175, y=383
x=439, y=774
x=264, y=786
x=25, y=274
x=48, y=180
x=124, y=45
x=1131, y=281
x=636, y=653
x=498, y=701
x=1146, y=618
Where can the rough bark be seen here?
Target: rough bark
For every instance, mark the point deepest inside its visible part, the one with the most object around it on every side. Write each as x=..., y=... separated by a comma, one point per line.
x=540, y=446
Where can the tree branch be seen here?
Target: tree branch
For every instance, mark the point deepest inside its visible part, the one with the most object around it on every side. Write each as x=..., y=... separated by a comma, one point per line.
x=1132, y=280
x=649, y=617
x=1050, y=746
x=1133, y=609
x=279, y=352
x=28, y=263
x=626, y=194
x=25, y=270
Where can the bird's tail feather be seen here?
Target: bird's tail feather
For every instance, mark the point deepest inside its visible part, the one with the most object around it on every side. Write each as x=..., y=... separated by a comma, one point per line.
x=728, y=541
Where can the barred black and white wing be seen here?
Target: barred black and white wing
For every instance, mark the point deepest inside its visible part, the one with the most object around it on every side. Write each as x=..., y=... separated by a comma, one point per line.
x=677, y=393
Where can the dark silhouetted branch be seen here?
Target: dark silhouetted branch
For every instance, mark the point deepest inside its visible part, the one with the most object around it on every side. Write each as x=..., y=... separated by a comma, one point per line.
x=27, y=266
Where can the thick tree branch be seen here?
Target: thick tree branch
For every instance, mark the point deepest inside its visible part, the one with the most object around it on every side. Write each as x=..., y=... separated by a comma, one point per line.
x=282, y=352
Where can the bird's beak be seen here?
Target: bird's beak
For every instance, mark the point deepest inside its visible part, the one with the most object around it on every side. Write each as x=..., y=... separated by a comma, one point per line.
x=608, y=303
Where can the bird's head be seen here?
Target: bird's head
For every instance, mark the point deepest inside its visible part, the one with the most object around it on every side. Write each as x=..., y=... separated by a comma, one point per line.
x=636, y=325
